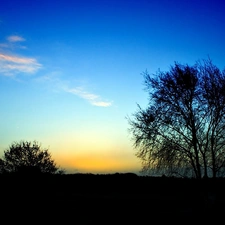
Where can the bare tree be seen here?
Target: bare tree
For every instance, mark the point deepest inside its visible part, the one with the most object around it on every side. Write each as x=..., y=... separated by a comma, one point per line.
x=28, y=157
x=183, y=128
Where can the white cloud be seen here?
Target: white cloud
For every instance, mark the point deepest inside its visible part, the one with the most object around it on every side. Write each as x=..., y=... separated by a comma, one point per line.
x=11, y=64
x=15, y=38
x=15, y=59
x=101, y=103
x=92, y=98
x=13, y=42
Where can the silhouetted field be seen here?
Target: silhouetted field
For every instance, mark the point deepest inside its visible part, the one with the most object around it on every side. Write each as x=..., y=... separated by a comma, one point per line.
x=109, y=199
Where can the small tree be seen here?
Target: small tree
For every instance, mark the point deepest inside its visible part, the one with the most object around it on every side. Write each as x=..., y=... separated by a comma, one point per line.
x=28, y=157
x=183, y=128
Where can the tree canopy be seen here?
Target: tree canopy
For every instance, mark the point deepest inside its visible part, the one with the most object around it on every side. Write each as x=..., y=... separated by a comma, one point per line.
x=182, y=130
x=28, y=157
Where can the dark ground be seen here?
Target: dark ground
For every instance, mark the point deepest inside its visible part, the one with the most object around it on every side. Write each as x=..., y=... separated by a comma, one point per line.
x=110, y=199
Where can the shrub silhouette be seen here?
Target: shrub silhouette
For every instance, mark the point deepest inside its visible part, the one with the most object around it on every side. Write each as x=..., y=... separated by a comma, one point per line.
x=25, y=157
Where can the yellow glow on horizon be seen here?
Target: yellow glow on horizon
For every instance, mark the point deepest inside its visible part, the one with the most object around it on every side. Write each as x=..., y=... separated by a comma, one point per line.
x=97, y=154
x=98, y=163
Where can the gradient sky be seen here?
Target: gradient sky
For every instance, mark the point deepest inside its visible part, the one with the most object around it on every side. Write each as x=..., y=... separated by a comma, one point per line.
x=71, y=71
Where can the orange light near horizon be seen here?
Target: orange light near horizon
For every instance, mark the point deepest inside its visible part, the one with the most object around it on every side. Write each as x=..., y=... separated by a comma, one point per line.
x=97, y=164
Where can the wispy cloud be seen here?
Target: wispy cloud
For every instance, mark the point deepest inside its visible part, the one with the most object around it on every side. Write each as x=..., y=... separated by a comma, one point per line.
x=11, y=64
x=13, y=42
x=57, y=83
x=92, y=98
x=15, y=38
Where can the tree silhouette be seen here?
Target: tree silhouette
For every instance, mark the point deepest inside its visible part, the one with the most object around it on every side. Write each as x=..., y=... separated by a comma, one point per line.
x=182, y=130
x=27, y=157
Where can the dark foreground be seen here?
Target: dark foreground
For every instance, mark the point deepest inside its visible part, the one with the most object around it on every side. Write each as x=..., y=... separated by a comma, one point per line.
x=110, y=199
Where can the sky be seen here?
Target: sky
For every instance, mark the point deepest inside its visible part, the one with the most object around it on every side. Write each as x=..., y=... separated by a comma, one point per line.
x=71, y=71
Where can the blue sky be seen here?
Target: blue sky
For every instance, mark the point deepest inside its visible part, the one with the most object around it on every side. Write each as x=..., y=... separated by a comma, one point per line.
x=71, y=71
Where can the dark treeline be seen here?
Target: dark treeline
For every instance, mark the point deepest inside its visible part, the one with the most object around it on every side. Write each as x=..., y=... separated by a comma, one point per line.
x=110, y=184
x=113, y=183
x=111, y=198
